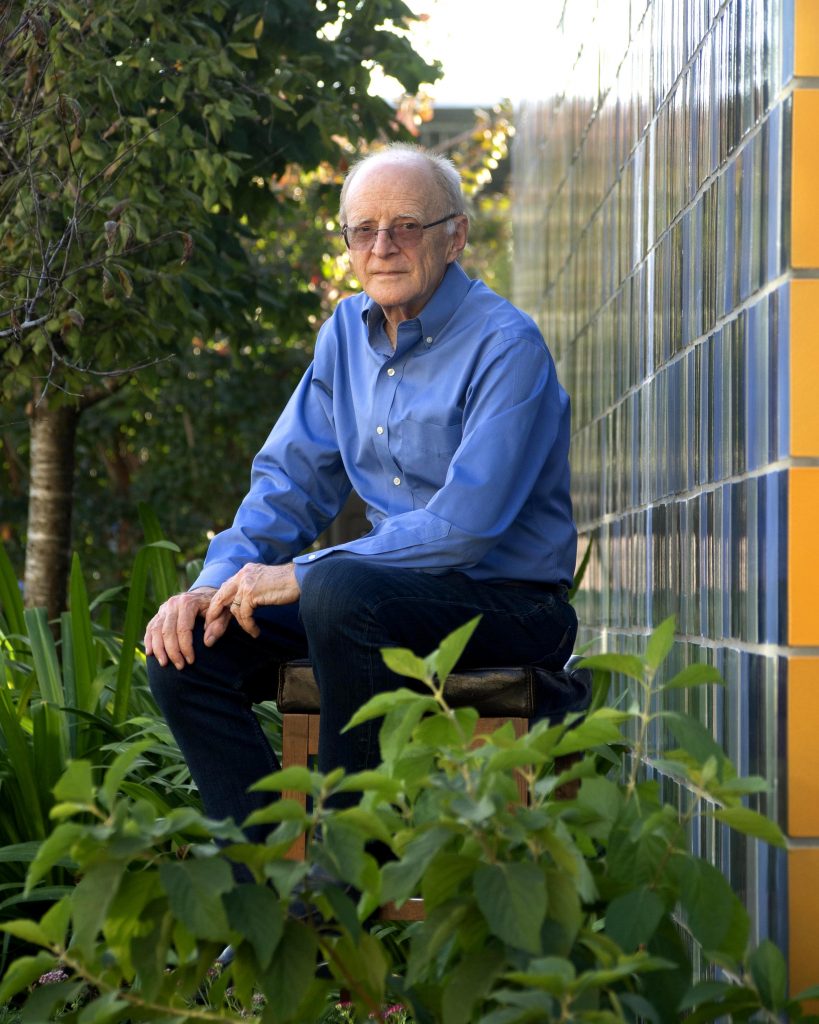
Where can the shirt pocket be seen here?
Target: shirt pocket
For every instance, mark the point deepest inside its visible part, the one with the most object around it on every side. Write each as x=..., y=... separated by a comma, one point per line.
x=424, y=450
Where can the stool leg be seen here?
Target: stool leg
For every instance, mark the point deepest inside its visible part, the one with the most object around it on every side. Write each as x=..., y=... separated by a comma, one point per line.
x=295, y=744
x=521, y=727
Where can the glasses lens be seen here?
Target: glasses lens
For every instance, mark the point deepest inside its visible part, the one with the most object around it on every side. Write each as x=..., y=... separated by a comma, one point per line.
x=405, y=233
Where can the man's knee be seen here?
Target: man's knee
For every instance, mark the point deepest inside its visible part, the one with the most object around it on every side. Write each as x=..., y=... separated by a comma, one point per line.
x=336, y=590
x=165, y=683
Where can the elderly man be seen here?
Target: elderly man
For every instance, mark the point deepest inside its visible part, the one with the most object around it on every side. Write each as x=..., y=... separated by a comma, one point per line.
x=437, y=401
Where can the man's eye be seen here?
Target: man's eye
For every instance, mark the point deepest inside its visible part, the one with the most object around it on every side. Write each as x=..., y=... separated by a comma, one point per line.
x=365, y=232
x=407, y=227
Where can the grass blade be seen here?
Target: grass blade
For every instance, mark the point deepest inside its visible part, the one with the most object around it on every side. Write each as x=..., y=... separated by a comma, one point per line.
x=84, y=654
x=134, y=616
x=11, y=601
x=164, y=575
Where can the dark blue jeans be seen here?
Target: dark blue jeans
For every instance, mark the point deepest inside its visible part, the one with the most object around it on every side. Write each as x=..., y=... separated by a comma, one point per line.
x=348, y=610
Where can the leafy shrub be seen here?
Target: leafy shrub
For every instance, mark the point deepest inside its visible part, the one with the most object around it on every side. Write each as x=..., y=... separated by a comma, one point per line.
x=557, y=910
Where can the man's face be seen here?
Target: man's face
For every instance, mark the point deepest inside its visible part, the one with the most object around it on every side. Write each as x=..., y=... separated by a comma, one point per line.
x=400, y=280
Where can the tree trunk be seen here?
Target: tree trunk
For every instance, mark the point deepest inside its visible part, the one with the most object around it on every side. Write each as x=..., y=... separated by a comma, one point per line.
x=48, y=545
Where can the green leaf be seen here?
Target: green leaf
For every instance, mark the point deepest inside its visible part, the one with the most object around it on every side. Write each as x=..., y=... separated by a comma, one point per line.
x=52, y=850
x=660, y=643
x=600, y=727
x=512, y=898
x=76, y=784
x=119, y=768
x=770, y=974
x=751, y=823
x=296, y=778
x=632, y=919
x=25, y=929
x=618, y=664
x=24, y=972
x=194, y=889
x=90, y=902
x=290, y=972
x=105, y=1009
x=398, y=726
x=246, y=50
x=254, y=911
x=714, y=914
x=381, y=703
x=468, y=983
x=693, y=737
x=703, y=991
x=400, y=878
x=694, y=675
x=441, y=662
x=404, y=663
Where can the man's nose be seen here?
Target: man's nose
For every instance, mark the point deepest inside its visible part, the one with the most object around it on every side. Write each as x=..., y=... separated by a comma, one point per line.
x=383, y=243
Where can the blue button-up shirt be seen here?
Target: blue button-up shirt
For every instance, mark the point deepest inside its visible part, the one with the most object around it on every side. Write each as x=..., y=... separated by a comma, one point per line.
x=457, y=441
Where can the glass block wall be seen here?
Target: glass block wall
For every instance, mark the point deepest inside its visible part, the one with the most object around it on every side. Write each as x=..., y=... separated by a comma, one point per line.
x=666, y=207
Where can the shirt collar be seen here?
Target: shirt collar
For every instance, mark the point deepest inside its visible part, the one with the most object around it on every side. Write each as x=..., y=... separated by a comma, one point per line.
x=449, y=294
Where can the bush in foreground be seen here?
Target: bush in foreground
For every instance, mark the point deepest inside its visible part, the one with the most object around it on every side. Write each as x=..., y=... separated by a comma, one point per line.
x=558, y=910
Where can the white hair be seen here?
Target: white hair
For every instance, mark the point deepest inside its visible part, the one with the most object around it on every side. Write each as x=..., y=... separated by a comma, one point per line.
x=445, y=173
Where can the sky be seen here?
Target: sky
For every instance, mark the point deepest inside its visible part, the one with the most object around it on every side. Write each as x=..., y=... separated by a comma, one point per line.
x=490, y=49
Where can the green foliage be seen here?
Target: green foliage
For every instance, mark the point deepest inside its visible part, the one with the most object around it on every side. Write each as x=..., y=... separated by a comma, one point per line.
x=143, y=146
x=63, y=702
x=552, y=910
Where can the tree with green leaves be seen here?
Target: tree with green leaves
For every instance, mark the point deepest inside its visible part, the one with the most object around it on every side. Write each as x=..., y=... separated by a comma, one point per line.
x=142, y=150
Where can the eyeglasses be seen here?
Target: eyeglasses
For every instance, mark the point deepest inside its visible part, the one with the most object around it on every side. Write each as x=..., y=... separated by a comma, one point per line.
x=404, y=233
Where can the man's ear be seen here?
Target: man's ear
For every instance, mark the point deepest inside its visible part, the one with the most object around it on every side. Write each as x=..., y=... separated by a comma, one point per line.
x=458, y=238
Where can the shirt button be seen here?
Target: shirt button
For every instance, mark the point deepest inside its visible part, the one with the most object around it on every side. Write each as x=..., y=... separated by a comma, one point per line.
x=391, y=372
x=310, y=558
x=429, y=341
x=379, y=430
x=397, y=481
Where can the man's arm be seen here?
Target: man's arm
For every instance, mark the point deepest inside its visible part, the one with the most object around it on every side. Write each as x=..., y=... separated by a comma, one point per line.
x=298, y=486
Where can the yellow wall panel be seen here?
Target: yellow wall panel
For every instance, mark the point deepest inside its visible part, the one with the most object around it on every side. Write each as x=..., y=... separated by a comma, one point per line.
x=804, y=366
x=803, y=555
x=805, y=174
x=806, y=42
x=803, y=901
x=803, y=750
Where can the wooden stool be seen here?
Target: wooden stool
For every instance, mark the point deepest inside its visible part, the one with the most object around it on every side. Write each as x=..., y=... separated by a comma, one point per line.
x=499, y=695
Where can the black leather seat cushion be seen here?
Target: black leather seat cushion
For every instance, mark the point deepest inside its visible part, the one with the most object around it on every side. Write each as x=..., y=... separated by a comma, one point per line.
x=494, y=692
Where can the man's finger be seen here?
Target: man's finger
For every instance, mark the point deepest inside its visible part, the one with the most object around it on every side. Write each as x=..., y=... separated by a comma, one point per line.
x=216, y=627
x=170, y=639
x=184, y=629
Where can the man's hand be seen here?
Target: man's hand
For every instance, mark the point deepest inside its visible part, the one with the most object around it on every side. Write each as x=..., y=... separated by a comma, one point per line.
x=169, y=635
x=252, y=587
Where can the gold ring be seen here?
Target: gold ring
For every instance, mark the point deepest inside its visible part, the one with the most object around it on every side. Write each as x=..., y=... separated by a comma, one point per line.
x=237, y=604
